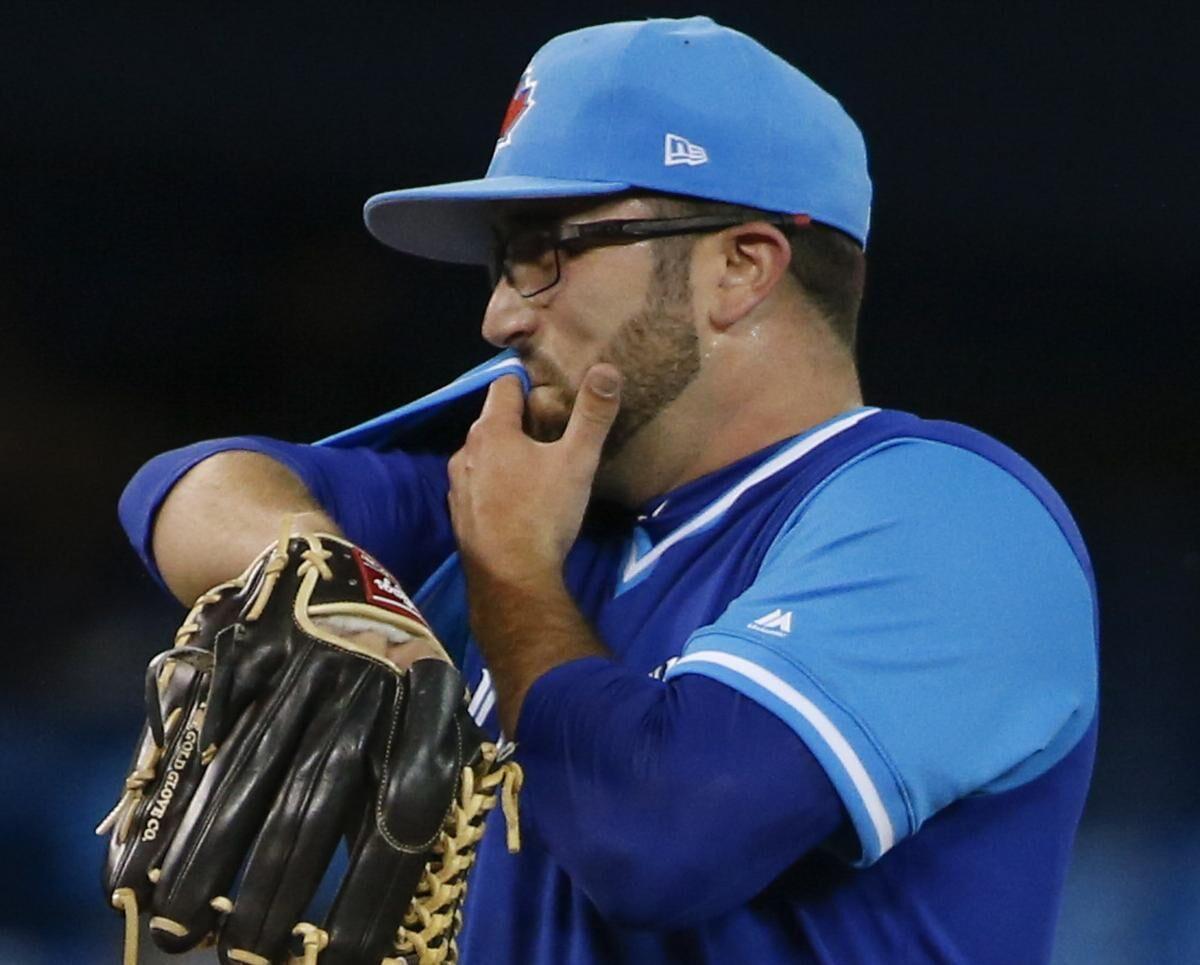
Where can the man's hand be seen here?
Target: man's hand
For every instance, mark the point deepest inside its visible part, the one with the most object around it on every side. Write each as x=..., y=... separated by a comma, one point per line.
x=517, y=505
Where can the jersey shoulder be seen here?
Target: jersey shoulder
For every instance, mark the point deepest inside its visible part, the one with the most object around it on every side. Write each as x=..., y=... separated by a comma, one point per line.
x=897, y=461
x=925, y=619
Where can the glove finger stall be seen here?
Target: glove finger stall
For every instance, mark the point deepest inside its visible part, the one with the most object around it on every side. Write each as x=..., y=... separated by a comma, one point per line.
x=168, y=777
x=227, y=810
x=306, y=821
x=419, y=756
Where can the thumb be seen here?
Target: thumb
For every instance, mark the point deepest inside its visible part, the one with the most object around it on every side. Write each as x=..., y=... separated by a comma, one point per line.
x=595, y=408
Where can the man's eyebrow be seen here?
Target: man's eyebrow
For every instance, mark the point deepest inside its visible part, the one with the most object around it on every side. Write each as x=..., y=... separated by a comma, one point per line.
x=506, y=223
x=542, y=214
x=532, y=221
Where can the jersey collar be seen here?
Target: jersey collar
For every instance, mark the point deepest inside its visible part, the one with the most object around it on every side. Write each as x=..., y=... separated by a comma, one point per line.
x=667, y=520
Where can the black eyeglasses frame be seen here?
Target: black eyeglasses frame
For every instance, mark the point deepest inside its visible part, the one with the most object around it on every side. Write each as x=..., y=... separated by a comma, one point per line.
x=576, y=237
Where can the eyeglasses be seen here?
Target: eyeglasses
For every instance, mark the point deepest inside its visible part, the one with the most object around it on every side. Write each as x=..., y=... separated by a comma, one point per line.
x=529, y=261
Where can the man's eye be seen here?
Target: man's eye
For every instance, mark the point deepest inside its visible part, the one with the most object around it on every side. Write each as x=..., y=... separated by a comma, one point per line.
x=576, y=246
x=528, y=248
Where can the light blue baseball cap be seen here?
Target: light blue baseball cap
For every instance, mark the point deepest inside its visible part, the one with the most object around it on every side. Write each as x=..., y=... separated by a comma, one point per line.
x=678, y=106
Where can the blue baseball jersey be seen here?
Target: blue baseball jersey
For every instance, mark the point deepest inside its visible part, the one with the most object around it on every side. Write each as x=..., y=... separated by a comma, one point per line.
x=906, y=602
x=914, y=602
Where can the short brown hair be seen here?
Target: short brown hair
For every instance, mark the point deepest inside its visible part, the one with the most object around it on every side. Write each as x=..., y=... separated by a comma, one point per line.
x=827, y=264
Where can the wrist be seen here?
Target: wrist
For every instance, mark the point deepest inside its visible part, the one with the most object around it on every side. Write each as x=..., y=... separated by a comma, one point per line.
x=525, y=626
x=534, y=581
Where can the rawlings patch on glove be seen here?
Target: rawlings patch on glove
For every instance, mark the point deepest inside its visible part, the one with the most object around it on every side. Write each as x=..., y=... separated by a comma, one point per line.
x=304, y=701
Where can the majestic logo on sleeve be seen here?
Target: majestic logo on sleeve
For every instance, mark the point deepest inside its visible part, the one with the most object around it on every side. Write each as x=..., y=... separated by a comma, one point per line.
x=520, y=105
x=777, y=623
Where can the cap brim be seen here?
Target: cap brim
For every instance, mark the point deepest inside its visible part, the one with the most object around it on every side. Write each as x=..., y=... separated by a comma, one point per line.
x=453, y=222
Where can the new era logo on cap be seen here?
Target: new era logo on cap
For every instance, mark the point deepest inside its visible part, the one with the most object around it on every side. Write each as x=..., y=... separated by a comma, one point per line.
x=679, y=150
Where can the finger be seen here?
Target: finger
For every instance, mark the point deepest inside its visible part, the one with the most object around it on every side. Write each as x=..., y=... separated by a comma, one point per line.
x=596, y=407
x=306, y=821
x=456, y=473
x=505, y=401
x=456, y=470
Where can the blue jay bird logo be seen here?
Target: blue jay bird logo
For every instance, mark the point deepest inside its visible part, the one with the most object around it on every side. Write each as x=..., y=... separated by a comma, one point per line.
x=518, y=107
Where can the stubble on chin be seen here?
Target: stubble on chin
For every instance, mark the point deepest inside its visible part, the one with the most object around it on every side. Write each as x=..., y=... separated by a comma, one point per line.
x=657, y=352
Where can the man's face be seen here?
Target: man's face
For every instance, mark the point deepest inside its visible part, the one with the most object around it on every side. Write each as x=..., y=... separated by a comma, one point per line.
x=629, y=305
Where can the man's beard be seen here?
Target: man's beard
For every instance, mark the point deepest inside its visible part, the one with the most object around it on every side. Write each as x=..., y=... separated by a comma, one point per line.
x=656, y=351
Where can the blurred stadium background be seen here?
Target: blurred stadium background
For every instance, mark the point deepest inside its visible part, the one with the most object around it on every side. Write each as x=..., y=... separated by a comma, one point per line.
x=181, y=256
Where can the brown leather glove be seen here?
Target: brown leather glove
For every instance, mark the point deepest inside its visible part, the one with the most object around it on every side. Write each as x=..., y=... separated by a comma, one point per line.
x=304, y=701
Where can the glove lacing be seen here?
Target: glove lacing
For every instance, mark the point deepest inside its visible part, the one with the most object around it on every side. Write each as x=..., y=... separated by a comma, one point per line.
x=435, y=915
x=124, y=900
x=158, y=677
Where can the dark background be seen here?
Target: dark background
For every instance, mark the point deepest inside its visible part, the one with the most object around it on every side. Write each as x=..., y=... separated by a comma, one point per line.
x=182, y=256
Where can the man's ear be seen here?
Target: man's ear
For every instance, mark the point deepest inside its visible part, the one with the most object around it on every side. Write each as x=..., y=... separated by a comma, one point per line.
x=754, y=261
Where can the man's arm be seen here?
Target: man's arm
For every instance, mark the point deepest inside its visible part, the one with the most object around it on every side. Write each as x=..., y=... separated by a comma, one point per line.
x=199, y=514
x=220, y=515
x=633, y=783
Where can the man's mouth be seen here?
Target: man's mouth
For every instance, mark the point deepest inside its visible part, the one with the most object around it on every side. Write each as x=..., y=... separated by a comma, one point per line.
x=542, y=373
x=537, y=381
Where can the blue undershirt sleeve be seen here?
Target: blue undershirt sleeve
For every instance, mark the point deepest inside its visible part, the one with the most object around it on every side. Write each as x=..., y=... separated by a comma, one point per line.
x=667, y=803
x=392, y=503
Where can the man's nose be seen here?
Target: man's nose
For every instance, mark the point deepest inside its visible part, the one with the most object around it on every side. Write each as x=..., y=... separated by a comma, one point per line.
x=509, y=318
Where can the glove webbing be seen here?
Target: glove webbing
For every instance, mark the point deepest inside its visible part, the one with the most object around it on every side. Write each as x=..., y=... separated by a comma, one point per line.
x=437, y=905
x=436, y=912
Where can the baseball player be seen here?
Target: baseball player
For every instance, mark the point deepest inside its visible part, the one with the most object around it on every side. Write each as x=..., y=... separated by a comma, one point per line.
x=792, y=678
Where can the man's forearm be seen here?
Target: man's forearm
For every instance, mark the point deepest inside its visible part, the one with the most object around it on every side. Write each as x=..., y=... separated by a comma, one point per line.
x=523, y=630
x=221, y=514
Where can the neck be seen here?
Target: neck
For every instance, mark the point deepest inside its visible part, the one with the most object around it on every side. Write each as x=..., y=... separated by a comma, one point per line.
x=715, y=422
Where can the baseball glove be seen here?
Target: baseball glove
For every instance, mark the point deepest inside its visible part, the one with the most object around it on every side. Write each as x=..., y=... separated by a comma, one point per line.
x=305, y=701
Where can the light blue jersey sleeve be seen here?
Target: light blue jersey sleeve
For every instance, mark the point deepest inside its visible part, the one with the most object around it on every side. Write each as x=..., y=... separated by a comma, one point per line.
x=923, y=624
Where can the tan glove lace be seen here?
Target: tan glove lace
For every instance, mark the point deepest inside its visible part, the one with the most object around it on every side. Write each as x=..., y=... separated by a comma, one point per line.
x=124, y=900
x=436, y=912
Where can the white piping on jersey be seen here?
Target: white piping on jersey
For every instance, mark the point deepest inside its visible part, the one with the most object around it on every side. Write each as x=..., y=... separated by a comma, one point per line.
x=512, y=363
x=781, y=460
x=827, y=730
x=477, y=698
x=488, y=703
x=483, y=700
